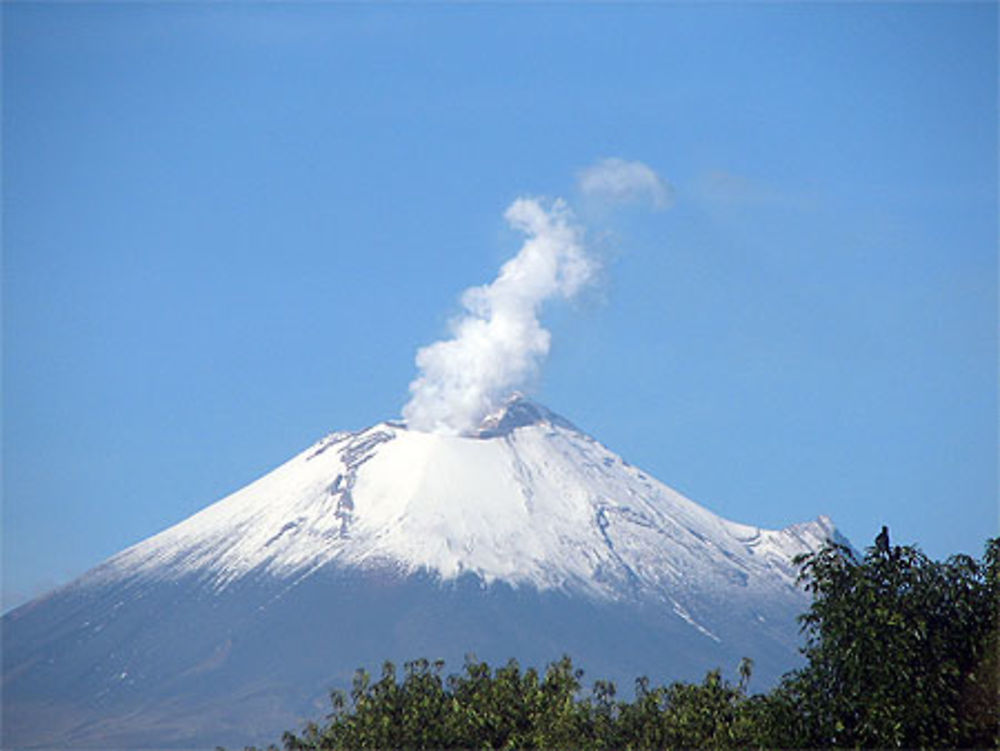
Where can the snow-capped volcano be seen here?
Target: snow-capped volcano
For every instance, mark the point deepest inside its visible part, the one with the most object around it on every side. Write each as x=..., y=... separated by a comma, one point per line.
x=528, y=499
x=522, y=534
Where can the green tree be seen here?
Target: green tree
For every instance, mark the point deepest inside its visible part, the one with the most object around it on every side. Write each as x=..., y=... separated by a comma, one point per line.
x=902, y=652
x=899, y=653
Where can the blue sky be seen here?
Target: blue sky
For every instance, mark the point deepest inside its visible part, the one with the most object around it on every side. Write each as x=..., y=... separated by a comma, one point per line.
x=227, y=229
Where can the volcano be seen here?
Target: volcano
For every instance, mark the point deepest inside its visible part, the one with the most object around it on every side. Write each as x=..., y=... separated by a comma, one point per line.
x=523, y=538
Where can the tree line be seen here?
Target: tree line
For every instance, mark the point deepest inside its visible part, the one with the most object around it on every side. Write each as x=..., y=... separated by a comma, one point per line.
x=901, y=653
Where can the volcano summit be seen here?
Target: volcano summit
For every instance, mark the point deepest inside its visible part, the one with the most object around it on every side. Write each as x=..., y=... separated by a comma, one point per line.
x=524, y=538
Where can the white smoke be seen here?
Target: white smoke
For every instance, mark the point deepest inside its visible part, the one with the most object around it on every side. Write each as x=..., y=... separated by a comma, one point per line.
x=615, y=180
x=498, y=343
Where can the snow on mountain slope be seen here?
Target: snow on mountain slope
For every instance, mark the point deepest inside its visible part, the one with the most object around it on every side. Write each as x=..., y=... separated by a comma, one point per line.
x=528, y=500
x=526, y=538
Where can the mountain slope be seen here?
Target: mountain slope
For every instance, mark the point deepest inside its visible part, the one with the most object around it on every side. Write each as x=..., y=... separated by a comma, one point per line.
x=527, y=539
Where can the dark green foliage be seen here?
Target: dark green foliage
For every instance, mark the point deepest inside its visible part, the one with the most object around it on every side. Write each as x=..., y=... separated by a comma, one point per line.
x=514, y=709
x=901, y=649
x=902, y=652
x=479, y=708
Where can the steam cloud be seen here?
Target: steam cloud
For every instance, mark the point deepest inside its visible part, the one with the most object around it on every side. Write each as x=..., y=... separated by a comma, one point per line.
x=498, y=343
x=615, y=180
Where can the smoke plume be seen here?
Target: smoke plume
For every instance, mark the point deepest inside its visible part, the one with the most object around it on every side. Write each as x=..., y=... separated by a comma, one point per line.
x=498, y=343
x=615, y=180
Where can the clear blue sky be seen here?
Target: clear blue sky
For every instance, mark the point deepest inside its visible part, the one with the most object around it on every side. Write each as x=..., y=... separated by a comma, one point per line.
x=228, y=227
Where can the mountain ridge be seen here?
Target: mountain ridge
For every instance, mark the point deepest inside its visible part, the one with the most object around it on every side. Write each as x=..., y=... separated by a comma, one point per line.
x=415, y=510
x=526, y=538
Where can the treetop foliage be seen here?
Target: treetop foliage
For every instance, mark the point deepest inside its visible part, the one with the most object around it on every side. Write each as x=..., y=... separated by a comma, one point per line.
x=902, y=653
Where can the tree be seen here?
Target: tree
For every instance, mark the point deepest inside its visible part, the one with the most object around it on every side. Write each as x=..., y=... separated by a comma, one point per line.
x=902, y=652
x=899, y=651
